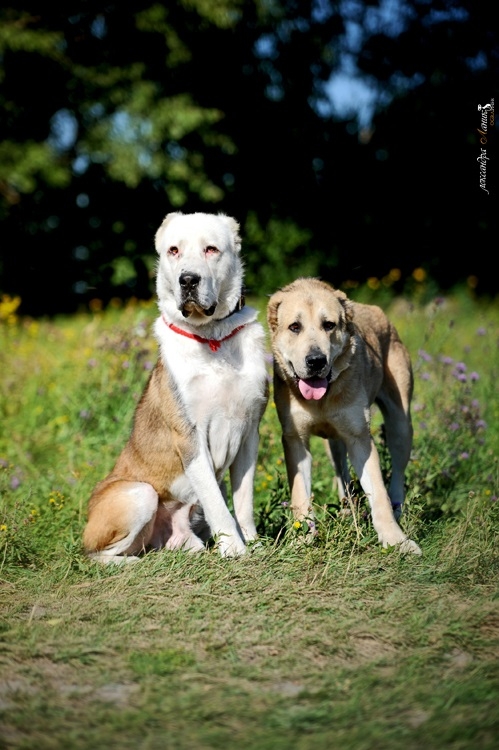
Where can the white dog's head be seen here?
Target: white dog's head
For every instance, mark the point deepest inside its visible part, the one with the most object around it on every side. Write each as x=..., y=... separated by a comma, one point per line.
x=199, y=272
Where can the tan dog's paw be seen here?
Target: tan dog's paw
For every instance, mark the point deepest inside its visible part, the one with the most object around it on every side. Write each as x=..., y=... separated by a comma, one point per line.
x=409, y=547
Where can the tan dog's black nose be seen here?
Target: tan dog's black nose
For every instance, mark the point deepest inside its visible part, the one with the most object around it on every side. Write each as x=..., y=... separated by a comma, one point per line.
x=315, y=361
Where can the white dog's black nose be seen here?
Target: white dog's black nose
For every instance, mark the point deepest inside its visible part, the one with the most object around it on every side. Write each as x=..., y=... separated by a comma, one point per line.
x=315, y=361
x=189, y=281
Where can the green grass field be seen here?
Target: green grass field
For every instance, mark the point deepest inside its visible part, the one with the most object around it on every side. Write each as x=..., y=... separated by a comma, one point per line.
x=338, y=644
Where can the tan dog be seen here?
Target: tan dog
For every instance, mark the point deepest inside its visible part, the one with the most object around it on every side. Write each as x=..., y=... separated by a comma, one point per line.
x=199, y=415
x=334, y=358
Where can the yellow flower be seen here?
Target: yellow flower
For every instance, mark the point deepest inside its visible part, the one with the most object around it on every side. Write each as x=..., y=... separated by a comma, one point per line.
x=297, y=525
x=3, y=527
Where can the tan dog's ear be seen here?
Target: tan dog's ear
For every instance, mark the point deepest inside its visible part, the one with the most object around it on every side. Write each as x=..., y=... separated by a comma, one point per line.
x=160, y=232
x=346, y=303
x=272, y=308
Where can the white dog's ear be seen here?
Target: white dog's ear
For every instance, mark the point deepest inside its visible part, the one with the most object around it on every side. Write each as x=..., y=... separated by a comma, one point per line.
x=161, y=230
x=234, y=228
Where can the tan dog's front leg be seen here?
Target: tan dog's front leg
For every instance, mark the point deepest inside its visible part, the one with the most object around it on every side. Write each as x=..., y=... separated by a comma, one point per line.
x=299, y=468
x=365, y=460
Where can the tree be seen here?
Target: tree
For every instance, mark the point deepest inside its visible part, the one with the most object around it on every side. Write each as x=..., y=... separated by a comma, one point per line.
x=113, y=116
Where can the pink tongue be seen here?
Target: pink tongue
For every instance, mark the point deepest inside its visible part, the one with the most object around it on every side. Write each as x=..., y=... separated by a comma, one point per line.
x=313, y=388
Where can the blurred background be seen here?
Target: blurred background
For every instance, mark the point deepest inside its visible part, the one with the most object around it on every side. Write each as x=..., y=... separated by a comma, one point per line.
x=345, y=137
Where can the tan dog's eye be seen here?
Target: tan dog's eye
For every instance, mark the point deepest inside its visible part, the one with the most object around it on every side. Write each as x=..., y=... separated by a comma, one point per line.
x=173, y=250
x=211, y=250
x=295, y=327
x=328, y=325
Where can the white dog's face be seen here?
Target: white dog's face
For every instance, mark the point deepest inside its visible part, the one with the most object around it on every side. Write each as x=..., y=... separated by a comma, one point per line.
x=199, y=273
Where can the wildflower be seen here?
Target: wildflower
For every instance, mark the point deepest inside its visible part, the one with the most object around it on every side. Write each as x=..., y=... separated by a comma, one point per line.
x=85, y=414
x=92, y=362
x=481, y=424
x=425, y=376
x=481, y=331
x=464, y=455
x=418, y=407
x=424, y=355
x=474, y=376
x=3, y=527
x=459, y=376
x=297, y=525
x=15, y=482
x=148, y=365
x=284, y=504
x=446, y=360
x=460, y=367
x=454, y=426
x=419, y=274
x=423, y=426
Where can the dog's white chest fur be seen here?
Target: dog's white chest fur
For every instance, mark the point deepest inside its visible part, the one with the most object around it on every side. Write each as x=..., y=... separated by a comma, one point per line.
x=218, y=389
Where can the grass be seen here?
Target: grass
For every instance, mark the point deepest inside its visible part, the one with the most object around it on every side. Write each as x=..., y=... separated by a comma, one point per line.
x=339, y=644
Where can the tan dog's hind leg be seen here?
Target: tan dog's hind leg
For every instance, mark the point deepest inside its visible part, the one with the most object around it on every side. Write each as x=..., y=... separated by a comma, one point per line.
x=365, y=460
x=121, y=521
x=337, y=453
x=394, y=402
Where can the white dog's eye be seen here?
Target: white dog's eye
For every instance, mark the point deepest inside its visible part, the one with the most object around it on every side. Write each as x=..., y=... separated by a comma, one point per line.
x=211, y=250
x=295, y=327
x=173, y=250
x=328, y=325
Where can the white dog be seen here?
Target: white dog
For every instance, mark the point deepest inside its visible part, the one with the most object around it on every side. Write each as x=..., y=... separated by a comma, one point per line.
x=199, y=415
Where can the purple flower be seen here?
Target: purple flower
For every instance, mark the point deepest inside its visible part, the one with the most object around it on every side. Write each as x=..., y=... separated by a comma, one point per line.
x=454, y=426
x=464, y=455
x=447, y=360
x=92, y=363
x=424, y=355
x=459, y=376
x=460, y=367
x=15, y=482
x=425, y=376
x=481, y=331
x=423, y=425
x=148, y=365
x=418, y=407
x=474, y=376
x=85, y=414
x=4, y=463
x=481, y=424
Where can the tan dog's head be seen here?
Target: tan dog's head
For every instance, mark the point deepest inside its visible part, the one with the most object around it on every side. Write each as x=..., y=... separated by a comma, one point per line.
x=199, y=272
x=311, y=331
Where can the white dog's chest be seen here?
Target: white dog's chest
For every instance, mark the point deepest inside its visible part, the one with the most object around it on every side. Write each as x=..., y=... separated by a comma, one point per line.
x=220, y=391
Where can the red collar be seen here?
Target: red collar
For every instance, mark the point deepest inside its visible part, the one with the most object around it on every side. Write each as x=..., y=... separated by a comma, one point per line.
x=214, y=344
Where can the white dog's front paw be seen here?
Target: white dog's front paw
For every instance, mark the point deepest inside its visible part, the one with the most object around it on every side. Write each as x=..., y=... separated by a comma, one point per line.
x=231, y=546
